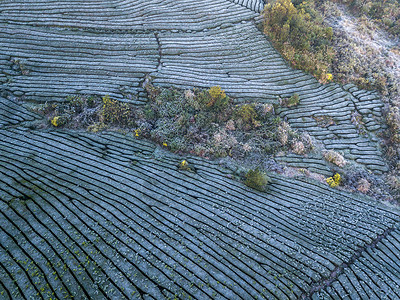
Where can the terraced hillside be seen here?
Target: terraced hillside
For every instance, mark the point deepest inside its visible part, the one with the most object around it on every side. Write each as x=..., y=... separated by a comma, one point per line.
x=108, y=215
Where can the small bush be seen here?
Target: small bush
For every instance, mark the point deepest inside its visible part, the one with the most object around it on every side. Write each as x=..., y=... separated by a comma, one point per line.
x=222, y=143
x=363, y=185
x=218, y=100
x=394, y=182
x=298, y=147
x=55, y=121
x=335, y=158
x=324, y=120
x=292, y=101
x=58, y=121
x=116, y=112
x=283, y=132
x=257, y=180
x=334, y=181
x=96, y=127
x=184, y=165
x=247, y=116
x=393, y=119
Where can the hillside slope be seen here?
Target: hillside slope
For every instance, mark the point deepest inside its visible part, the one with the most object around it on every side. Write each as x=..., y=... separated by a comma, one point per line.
x=108, y=215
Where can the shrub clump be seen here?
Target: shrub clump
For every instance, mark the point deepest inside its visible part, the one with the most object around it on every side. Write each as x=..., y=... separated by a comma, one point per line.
x=207, y=122
x=298, y=147
x=92, y=112
x=300, y=36
x=394, y=182
x=184, y=165
x=283, y=133
x=335, y=158
x=294, y=100
x=203, y=122
x=116, y=113
x=334, y=181
x=247, y=117
x=257, y=180
x=218, y=100
x=393, y=119
x=363, y=185
x=55, y=121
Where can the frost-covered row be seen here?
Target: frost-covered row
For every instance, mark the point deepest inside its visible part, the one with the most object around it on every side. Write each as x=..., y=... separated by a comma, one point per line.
x=129, y=15
x=58, y=63
x=12, y=113
x=238, y=58
x=114, y=216
x=343, y=122
x=375, y=275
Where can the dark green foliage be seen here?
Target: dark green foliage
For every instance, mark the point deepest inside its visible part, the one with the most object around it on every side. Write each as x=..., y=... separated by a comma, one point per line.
x=257, y=180
x=291, y=101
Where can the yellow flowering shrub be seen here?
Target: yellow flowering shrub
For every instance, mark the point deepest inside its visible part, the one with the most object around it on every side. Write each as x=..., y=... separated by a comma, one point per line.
x=137, y=132
x=218, y=97
x=55, y=121
x=334, y=181
x=216, y=92
x=184, y=165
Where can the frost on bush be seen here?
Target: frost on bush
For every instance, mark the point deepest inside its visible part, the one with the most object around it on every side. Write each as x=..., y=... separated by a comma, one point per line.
x=230, y=125
x=393, y=119
x=363, y=185
x=307, y=140
x=283, y=133
x=298, y=147
x=189, y=95
x=96, y=127
x=222, y=142
x=394, y=182
x=264, y=109
x=335, y=158
x=246, y=147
